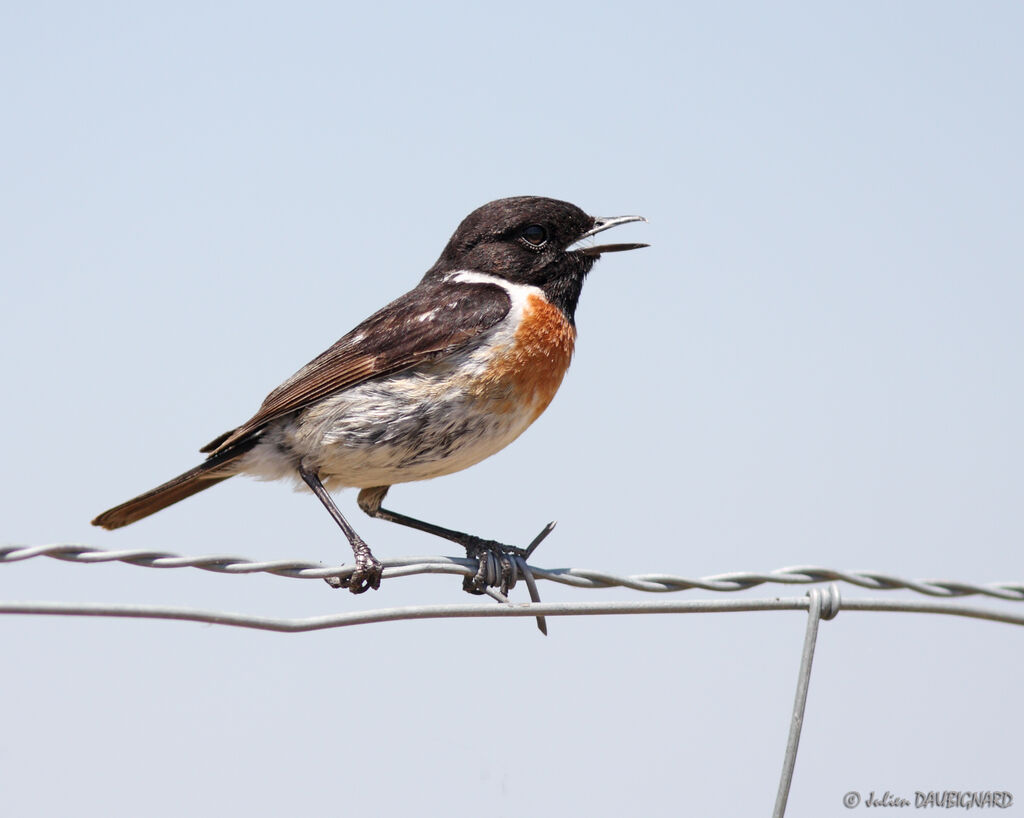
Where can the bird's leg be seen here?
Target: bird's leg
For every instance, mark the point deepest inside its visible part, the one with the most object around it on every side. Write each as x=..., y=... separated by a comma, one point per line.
x=476, y=547
x=368, y=568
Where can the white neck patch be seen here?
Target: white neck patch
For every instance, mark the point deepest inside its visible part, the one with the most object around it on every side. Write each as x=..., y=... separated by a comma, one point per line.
x=517, y=292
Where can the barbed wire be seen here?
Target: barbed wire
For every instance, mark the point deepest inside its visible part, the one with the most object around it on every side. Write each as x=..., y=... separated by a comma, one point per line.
x=574, y=577
x=820, y=604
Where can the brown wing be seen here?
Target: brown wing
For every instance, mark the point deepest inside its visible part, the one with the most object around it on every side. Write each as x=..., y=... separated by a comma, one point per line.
x=429, y=322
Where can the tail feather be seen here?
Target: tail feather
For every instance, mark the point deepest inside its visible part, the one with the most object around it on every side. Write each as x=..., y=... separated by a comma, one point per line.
x=209, y=473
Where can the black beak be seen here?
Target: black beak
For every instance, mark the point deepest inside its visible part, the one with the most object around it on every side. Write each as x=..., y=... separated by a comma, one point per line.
x=603, y=224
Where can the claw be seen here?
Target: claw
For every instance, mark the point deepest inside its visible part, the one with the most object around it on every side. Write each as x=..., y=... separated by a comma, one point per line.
x=367, y=575
x=493, y=557
x=493, y=561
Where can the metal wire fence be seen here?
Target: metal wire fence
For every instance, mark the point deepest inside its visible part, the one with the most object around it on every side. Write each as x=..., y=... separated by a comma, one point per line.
x=822, y=604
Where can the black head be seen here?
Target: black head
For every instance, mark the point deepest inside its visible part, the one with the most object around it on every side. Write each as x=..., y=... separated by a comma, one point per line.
x=526, y=240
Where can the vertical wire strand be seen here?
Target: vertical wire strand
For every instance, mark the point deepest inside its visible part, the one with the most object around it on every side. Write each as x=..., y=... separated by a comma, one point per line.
x=822, y=605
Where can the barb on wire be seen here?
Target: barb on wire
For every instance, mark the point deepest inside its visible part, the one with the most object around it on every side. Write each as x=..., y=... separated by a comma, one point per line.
x=574, y=577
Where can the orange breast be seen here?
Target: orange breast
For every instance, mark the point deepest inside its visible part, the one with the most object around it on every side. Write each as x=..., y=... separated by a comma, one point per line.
x=527, y=373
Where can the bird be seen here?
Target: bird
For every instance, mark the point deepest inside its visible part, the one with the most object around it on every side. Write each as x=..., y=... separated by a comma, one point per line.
x=436, y=381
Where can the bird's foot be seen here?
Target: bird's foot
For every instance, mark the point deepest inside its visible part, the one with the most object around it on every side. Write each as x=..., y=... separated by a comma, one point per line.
x=495, y=568
x=497, y=563
x=367, y=574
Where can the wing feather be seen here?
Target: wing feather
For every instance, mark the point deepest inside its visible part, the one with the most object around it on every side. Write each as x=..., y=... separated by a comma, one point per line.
x=429, y=322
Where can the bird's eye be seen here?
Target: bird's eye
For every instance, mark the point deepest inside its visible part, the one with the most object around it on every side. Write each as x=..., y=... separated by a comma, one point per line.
x=535, y=235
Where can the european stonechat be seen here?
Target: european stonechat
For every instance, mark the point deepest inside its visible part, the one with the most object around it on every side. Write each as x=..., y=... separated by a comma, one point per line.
x=442, y=377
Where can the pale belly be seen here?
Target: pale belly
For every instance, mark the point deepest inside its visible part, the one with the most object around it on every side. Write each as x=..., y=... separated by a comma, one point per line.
x=428, y=421
x=411, y=426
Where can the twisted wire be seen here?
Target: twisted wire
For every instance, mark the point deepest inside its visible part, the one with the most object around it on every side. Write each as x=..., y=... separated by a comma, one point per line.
x=574, y=577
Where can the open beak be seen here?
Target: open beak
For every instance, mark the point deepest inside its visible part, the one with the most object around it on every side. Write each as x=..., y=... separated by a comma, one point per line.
x=603, y=224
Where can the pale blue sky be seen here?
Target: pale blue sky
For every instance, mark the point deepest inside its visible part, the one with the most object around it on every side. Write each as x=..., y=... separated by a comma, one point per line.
x=818, y=361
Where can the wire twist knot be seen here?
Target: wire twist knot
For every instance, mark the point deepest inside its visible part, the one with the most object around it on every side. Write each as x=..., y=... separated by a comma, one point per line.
x=826, y=600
